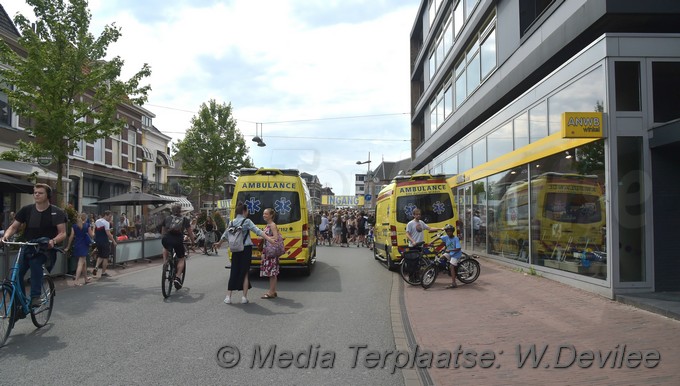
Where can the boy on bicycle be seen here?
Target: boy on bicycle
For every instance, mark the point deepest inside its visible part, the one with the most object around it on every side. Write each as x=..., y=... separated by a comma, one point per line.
x=454, y=250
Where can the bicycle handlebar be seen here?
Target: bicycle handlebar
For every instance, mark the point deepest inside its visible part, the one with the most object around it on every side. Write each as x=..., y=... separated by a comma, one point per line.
x=18, y=243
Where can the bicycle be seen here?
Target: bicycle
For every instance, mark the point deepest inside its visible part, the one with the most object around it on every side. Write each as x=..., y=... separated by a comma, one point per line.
x=415, y=259
x=14, y=304
x=169, y=273
x=468, y=269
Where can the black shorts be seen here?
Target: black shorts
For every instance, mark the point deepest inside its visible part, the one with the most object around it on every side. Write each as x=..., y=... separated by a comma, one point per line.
x=361, y=231
x=175, y=244
x=104, y=250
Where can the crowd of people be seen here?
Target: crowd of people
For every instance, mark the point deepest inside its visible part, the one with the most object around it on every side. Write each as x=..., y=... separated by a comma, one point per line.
x=344, y=227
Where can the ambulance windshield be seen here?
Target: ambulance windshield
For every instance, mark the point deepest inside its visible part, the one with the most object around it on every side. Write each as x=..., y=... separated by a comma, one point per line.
x=286, y=205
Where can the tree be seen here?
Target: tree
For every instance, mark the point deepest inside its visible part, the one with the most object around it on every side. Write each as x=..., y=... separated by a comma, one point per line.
x=213, y=148
x=62, y=84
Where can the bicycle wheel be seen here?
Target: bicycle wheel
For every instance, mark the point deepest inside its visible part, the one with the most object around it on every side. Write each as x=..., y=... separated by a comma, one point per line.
x=6, y=314
x=166, y=280
x=429, y=276
x=41, y=315
x=412, y=276
x=468, y=271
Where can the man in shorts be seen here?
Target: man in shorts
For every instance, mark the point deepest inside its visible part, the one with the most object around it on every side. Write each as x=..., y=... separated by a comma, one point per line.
x=102, y=236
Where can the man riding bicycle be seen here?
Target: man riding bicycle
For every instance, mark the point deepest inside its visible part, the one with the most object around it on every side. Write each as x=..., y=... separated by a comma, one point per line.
x=42, y=219
x=173, y=239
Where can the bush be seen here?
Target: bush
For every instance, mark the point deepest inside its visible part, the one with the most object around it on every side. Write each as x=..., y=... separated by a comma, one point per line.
x=220, y=224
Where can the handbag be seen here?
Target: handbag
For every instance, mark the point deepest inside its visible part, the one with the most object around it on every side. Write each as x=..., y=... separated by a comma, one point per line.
x=276, y=249
x=260, y=246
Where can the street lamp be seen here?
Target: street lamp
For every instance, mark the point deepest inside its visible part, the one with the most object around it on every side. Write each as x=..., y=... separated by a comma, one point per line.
x=258, y=139
x=368, y=172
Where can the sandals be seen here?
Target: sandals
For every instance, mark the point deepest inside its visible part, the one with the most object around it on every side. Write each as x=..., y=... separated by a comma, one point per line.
x=268, y=296
x=451, y=286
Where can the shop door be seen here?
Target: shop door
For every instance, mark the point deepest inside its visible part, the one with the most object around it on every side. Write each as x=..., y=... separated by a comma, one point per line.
x=464, y=224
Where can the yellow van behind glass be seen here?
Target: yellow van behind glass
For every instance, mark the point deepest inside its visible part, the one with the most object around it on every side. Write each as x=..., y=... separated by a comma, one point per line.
x=394, y=209
x=287, y=193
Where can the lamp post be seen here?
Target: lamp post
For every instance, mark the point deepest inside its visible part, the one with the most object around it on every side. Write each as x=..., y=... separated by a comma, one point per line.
x=367, y=181
x=258, y=139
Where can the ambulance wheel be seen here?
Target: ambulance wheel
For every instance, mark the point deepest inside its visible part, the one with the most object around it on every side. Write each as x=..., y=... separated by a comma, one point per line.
x=391, y=265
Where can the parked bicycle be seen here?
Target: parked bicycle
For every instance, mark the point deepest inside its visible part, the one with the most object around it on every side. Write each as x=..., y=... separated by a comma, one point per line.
x=169, y=273
x=468, y=269
x=415, y=259
x=14, y=303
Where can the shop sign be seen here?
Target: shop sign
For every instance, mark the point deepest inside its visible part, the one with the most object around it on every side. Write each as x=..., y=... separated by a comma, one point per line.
x=582, y=125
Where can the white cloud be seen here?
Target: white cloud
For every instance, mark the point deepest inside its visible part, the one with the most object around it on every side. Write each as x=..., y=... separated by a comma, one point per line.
x=274, y=61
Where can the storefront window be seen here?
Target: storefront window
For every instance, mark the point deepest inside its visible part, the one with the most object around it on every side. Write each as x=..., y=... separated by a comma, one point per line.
x=507, y=215
x=568, y=219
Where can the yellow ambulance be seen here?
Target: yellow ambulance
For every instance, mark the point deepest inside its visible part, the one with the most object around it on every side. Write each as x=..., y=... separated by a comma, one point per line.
x=394, y=209
x=287, y=193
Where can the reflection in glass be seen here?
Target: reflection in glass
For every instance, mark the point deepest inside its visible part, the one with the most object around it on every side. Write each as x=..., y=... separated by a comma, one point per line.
x=507, y=216
x=586, y=94
x=538, y=122
x=465, y=159
x=500, y=141
x=568, y=219
x=479, y=152
x=479, y=215
x=555, y=218
x=521, y=124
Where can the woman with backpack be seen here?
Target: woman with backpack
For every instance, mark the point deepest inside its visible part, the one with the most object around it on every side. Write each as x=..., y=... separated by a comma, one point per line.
x=240, y=259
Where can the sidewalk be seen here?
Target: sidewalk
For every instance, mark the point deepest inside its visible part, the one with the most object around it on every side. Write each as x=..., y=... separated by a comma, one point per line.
x=585, y=338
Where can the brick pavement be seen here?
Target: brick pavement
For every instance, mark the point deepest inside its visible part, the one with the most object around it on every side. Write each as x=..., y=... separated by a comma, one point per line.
x=506, y=309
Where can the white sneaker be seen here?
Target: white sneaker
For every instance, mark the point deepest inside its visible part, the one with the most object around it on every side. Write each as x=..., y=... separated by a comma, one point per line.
x=227, y=300
x=244, y=300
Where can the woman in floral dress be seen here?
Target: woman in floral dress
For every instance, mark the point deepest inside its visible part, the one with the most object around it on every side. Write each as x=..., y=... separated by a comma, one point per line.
x=270, y=259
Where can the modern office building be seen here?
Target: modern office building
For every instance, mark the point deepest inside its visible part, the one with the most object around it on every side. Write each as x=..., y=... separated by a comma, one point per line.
x=559, y=122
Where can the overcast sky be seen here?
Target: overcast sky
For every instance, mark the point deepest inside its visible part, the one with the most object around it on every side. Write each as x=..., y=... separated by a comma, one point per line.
x=327, y=79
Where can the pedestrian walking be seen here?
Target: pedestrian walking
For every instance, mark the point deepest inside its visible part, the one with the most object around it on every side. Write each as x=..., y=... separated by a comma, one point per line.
x=80, y=237
x=102, y=236
x=271, y=252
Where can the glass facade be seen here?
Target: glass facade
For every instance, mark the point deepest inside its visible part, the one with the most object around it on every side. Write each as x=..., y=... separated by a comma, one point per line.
x=551, y=212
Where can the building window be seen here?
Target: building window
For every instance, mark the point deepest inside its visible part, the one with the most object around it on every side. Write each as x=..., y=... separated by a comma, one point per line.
x=500, y=141
x=479, y=152
x=465, y=159
x=99, y=150
x=433, y=64
x=529, y=11
x=448, y=101
x=538, y=122
x=5, y=110
x=489, y=52
x=521, y=127
x=627, y=80
x=473, y=67
x=585, y=94
x=458, y=17
x=469, y=7
x=460, y=83
x=665, y=84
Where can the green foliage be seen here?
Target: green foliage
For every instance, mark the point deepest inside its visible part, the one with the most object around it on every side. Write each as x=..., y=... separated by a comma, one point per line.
x=71, y=213
x=213, y=148
x=57, y=77
x=220, y=223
